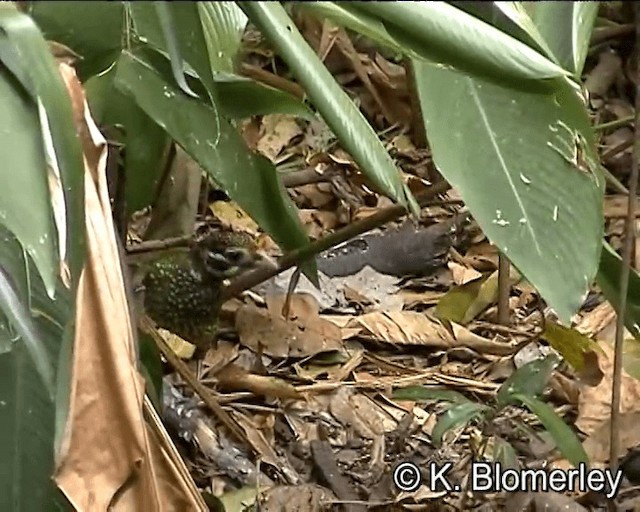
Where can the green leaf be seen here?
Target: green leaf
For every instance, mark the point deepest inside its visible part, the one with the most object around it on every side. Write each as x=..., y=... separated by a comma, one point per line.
x=566, y=440
x=25, y=53
x=93, y=30
x=511, y=18
x=145, y=141
x=185, y=40
x=608, y=280
x=26, y=434
x=533, y=156
x=456, y=416
x=422, y=393
x=20, y=319
x=355, y=134
x=28, y=415
x=249, y=180
x=530, y=380
x=21, y=149
x=444, y=34
x=223, y=24
x=566, y=27
x=165, y=18
x=242, y=97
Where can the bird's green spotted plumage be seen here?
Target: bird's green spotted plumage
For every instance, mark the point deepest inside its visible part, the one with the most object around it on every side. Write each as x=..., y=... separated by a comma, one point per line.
x=182, y=289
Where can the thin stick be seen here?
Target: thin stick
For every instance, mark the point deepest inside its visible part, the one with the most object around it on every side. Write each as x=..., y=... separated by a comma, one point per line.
x=503, y=289
x=147, y=325
x=629, y=242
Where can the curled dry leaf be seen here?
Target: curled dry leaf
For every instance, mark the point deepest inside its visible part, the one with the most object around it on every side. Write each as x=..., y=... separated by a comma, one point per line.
x=597, y=320
x=413, y=328
x=106, y=442
x=278, y=131
x=595, y=405
x=462, y=274
x=234, y=378
x=265, y=448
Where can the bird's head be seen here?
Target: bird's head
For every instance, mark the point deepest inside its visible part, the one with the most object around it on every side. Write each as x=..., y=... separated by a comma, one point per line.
x=224, y=255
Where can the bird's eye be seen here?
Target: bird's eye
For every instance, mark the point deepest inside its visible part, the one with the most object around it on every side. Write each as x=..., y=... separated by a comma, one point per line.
x=234, y=254
x=216, y=260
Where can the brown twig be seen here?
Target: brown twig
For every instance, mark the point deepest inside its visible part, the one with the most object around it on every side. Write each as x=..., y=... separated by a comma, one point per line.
x=146, y=324
x=417, y=121
x=296, y=257
x=503, y=289
x=159, y=245
x=303, y=177
x=629, y=242
x=617, y=149
x=603, y=34
x=271, y=79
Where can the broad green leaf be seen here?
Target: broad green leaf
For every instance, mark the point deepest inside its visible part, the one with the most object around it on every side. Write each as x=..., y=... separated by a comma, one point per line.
x=250, y=180
x=187, y=38
x=19, y=317
x=524, y=164
x=169, y=30
x=565, y=438
x=26, y=434
x=442, y=33
x=343, y=117
x=566, y=27
x=24, y=168
x=242, y=97
x=25, y=53
x=144, y=140
x=530, y=380
x=608, y=280
x=421, y=393
x=456, y=416
x=516, y=12
x=223, y=24
x=93, y=30
x=239, y=96
x=27, y=410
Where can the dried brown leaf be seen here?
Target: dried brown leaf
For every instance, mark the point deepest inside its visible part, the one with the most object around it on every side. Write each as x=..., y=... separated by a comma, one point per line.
x=106, y=442
x=304, y=333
